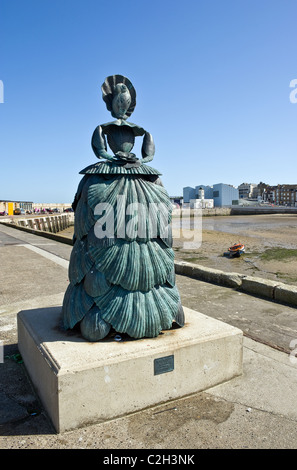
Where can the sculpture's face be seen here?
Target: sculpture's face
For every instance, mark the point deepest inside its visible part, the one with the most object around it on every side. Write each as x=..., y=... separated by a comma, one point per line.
x=120, y=88
x=121, y=101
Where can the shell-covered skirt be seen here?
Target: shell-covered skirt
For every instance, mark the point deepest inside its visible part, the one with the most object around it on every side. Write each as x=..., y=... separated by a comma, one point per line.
x=121, y=270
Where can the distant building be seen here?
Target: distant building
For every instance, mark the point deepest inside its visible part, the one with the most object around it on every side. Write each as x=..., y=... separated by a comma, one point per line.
x=224, y=195
x=61, y=206
x=193, y=193
x=188, y=193
x=9, y=206
x=201, y=203
x=221, y=194
x=282, y=194
x=247, y=191
x=176, y=200
x=208, y=191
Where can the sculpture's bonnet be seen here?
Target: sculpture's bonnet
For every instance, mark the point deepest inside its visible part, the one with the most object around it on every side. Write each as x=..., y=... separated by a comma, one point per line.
x=109, y=87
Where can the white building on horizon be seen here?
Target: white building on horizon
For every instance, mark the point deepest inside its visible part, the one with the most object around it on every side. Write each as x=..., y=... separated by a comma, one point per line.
x=222, y=195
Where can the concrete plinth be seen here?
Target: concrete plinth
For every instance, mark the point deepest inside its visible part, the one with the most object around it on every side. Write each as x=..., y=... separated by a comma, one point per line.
x=81, y=383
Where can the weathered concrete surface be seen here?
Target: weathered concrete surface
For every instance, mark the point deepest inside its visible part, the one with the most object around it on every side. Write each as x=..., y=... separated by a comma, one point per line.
x=259, y=286
x=274, y=290
x=45, y=234
x=286, y=294
x=256, y=410
x=261, y=319
x=208, y=274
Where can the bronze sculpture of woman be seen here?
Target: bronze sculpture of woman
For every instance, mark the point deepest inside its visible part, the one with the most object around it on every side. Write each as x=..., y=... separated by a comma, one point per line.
x=121, y=268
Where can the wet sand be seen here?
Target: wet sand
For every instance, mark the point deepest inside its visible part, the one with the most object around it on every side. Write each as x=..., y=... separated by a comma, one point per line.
x=259, y=234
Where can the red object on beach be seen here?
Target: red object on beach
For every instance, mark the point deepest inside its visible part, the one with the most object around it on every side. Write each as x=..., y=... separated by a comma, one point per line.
x=237, y=249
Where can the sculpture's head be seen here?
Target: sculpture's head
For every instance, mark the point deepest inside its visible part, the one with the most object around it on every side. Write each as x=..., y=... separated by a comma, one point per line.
x=121, y=101
x=119, y=96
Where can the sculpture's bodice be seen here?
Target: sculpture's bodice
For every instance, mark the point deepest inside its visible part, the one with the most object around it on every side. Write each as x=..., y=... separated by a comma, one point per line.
x=120, y=138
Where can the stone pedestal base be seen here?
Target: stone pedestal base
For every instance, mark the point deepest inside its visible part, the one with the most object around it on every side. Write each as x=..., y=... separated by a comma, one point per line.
x=81, y=383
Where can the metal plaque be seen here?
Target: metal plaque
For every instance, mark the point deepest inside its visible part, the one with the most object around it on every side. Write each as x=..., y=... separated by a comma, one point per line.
x=163, y=364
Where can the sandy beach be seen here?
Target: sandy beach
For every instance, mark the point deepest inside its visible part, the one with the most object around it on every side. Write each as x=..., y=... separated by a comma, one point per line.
x=270, y=244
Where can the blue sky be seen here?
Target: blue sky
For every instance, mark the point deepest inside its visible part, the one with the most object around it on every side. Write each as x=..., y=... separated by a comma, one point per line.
x=212, y=81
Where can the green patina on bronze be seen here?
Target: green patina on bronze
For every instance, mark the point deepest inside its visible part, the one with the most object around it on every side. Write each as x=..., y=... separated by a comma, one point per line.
x=121, y=268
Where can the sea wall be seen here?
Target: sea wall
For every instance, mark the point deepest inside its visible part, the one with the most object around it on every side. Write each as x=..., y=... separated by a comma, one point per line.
x=235, y=210
x=204, y=212
x=265, y=288
x=47, y=227
x=262, y=210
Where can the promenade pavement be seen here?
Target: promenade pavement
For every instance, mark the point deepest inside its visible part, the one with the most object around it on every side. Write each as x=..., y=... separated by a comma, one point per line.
x=255, y=411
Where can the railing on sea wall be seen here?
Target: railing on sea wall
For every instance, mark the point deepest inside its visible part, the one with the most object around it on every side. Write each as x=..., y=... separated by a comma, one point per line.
x=52, y=224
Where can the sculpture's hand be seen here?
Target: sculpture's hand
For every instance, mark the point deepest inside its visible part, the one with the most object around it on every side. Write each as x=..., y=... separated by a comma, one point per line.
x=99, y=144
x=129, y=157
x=148, y=148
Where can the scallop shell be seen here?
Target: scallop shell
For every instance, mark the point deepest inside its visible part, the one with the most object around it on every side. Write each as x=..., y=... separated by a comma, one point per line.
x=84, y=219
x=180, y=316
x=84, y=215
x=171, y=277
x=133, y=209
x=134, y=189
x=75, y=306
x=134, y=265
x=80, y=262
x=93, y=327
x=95, y=283
x=140, y=314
